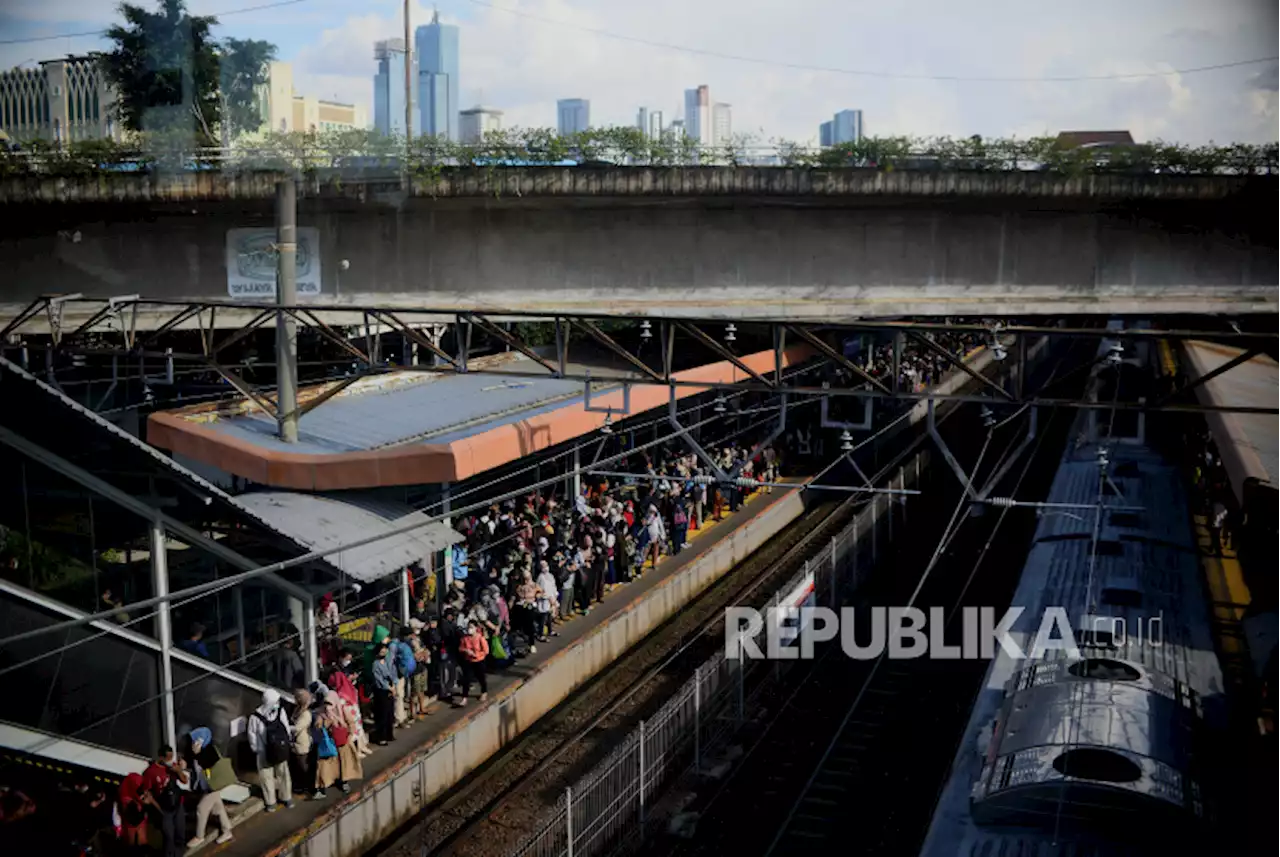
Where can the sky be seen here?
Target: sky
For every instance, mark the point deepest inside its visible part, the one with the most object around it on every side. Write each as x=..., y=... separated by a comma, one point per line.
x=913, y=68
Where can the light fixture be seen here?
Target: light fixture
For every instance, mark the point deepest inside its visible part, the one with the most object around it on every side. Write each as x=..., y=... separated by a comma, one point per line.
x=607, y=428
x=997, y=350
x=730, y=333
x=1115, y=354
x=645, y=331
x=846, y=441
x=988, y=418
x=720, y=407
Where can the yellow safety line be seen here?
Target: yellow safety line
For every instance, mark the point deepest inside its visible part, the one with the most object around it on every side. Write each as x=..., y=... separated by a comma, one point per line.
x=1230, y=598
x=1167, y=360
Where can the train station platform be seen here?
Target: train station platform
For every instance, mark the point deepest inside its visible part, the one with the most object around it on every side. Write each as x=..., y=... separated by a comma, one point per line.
x=1242, y=576
x=426, y=759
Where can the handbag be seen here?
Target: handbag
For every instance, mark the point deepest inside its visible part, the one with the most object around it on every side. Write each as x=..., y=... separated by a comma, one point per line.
x=325, y=748
x=340, y=735
x=496, y=648
x=221, y=774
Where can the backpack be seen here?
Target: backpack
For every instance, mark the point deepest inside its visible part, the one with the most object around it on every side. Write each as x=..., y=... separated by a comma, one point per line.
x=405, y=661
x=276, y=745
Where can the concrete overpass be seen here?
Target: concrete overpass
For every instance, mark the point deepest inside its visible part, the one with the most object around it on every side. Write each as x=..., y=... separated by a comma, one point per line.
x=709, y=242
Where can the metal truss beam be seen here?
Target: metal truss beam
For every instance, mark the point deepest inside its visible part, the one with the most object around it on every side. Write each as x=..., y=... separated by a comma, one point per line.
x=835, y=356
x=709, y=341
x=402, y=320
x=960, y=364
x=608, y=342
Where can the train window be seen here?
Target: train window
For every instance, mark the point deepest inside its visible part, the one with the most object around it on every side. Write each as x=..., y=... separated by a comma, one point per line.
x=1121, y=597
x=1092, y=763
x=1132, y=520
x=1106, y=547
x=1104, y=669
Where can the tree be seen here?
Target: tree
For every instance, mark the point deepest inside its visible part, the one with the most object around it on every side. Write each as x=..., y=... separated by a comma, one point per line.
x=244, y=69
x=165, y=69
x=172, y=76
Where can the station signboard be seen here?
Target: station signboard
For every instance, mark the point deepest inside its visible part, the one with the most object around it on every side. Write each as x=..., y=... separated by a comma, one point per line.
x=251, y=262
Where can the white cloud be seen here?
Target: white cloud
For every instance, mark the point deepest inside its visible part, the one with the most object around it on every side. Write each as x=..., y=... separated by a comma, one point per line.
x=522, y=65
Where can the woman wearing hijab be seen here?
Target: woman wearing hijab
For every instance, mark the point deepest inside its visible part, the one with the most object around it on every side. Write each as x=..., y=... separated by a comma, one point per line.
x=208, y=801
x=345, y=696
x=329, y=716
x=304, y=747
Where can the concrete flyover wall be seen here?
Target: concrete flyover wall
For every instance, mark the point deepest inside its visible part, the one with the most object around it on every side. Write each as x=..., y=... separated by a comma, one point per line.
x=392, y=798
x=717, y=243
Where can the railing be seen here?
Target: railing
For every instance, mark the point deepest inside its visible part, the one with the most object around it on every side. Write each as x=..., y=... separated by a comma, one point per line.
x=608, y=810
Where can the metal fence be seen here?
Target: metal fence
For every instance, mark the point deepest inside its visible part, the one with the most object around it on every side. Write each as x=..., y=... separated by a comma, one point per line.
x=609, y=808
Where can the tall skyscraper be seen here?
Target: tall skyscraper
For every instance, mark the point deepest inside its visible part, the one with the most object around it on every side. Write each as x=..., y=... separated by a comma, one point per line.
x=697, y=114
x=721, y=125
x=846, y=127
x=573, y=115
x=437, y=47
x=825, y=135
x=388, y=87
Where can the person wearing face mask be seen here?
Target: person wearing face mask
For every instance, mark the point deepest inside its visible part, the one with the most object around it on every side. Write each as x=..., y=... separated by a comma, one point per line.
x=271, y=739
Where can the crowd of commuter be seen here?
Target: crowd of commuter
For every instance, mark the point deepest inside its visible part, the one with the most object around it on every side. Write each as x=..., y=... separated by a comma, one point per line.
x=525, y=568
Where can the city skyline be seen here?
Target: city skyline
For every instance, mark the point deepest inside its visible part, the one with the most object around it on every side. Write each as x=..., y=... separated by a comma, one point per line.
x=524, y=64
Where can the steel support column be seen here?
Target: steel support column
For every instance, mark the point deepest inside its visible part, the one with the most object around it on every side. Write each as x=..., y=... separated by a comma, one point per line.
x=310, y=646
x=286, y=296
x=164, y=630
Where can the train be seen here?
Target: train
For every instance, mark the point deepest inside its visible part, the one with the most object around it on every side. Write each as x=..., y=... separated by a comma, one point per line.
x=1103, y=742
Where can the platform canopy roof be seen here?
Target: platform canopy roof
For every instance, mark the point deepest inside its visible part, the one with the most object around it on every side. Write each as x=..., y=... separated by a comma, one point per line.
x=322, y=521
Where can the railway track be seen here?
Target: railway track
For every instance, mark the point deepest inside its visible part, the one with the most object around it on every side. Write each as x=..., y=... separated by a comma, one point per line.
x=848, y=755
x=494, y=810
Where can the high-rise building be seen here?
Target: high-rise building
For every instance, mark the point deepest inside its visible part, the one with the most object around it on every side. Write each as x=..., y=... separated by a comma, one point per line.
x=437, y=47
x=573, y=115
x=473, y=124
x=825, y=135
x=650, y=122
x=656, y=126
x=678, y=129
x=389, y=88
x=61, y=100
x=697, y=114
x=846, y=127
x=721, y=125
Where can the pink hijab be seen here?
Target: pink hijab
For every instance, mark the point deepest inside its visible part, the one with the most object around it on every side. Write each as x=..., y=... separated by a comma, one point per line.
x=342, y=685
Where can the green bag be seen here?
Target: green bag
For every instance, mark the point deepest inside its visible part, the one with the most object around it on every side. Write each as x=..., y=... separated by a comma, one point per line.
x=496, y=649
x=221, y=775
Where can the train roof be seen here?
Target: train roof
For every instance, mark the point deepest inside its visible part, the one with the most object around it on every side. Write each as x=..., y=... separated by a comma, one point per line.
x=1132, y=565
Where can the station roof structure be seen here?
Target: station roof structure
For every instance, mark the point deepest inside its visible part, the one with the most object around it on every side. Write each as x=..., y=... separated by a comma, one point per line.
x=77, y=442
x=1246, y=441
x=418, y=427
x=321, y=521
